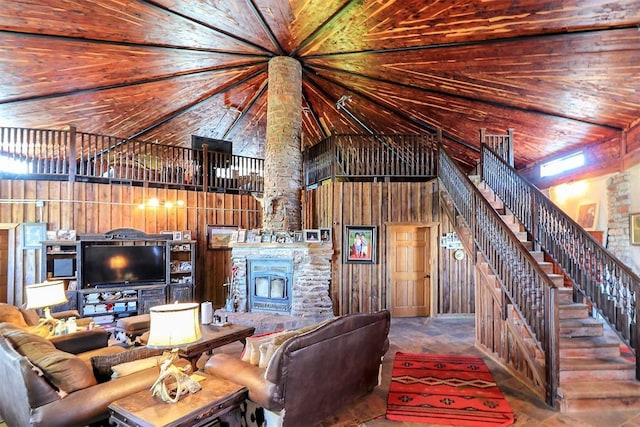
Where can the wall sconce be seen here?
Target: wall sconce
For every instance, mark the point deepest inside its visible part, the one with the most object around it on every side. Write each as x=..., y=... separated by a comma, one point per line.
x=154, y=202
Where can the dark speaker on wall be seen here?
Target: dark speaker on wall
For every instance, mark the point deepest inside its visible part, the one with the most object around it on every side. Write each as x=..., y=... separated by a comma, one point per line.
x=221, y=150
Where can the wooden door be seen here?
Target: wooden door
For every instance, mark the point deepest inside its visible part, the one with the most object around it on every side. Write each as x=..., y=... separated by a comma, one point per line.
x=409, y=270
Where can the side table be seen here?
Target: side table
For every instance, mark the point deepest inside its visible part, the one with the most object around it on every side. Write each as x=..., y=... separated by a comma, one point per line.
x=216, y=398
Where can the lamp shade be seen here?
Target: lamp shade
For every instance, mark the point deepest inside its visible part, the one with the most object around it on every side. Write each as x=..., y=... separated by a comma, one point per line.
x=45, y=294
x=173, y=325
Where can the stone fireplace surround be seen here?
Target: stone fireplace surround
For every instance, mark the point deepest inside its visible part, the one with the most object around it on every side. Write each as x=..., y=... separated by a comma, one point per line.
x=310, y=294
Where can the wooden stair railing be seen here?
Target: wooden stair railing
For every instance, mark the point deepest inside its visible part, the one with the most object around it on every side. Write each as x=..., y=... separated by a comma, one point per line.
x=599, y=276
x=527, y=287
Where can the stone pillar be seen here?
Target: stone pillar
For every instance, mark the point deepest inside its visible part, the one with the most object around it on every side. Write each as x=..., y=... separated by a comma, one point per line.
x=281, y=204
x=619, y=207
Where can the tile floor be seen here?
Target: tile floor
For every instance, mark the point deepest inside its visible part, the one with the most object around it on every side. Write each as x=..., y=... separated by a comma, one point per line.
x=456, y=335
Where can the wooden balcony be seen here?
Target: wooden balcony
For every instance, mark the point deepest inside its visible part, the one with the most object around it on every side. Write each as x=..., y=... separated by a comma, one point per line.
x=78, y=156
x=372, y=158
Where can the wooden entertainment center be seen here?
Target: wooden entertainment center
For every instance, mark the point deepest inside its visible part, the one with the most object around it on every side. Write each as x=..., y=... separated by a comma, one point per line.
x=121, y=273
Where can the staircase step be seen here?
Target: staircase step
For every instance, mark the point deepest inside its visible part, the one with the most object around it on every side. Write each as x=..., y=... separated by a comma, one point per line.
x=601, y=346
x=589, y=369
x=597, y=396
x=588, y=327
x=565, y=295
x=573, y=310
x=537, y=255
x=557, y=279
x=547, y=267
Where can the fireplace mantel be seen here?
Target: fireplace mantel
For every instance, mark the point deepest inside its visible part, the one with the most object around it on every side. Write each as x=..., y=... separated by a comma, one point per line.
x=311, y=274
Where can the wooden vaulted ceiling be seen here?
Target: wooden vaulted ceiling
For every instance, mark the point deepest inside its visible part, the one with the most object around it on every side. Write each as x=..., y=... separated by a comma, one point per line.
x=564, y=74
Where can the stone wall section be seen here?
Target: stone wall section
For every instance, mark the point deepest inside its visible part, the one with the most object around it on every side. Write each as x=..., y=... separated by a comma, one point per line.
x=619, y=205
x=311, y=274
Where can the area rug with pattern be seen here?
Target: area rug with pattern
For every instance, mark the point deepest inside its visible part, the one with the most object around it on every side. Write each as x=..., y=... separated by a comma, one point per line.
x=447, y=390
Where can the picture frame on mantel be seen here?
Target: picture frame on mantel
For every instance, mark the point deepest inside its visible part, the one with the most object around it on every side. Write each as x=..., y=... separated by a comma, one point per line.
x=634, y=228
x=360, y=244
x=219, y=236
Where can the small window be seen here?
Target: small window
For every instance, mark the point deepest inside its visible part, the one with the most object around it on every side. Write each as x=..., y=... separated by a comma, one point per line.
x=563, y=164
x=13, y=165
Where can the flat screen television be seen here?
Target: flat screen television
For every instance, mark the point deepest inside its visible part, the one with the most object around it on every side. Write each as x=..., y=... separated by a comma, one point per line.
x=122, y=265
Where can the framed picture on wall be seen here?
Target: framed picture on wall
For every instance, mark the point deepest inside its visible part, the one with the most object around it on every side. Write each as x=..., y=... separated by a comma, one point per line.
x=634, y=228
x=588, y=215
x=219, y=236
x=325, y=235
x=33, y=233
x=360, y=244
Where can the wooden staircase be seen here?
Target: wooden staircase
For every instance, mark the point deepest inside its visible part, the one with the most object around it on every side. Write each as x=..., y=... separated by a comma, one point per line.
x=593, y=374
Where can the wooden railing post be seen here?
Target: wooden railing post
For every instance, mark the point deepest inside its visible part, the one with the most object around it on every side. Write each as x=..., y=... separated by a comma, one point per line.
x=552, y=355
x=73, y=159
x=205, y=168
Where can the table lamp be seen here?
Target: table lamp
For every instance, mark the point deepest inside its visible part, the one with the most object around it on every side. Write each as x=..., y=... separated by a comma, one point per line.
x=172, y=326
x=44, y=295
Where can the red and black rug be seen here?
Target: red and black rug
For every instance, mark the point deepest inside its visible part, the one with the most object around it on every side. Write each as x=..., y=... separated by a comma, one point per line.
x=445, y=389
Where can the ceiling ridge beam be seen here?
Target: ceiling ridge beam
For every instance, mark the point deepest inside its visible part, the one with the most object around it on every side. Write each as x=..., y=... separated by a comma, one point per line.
x=196, y=102
x=465, y=97
x=132, y=83
x=265, y=27
x=121, y=43
x=471, y=43
x=416, y=122
x=337, y=14
x=314, y=114
x=247, y=108
x=211, y=27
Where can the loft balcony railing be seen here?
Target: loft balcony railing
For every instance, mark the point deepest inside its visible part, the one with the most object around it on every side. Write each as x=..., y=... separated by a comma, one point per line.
x=372, y=157
x=597, y=275
x=525, y=285
x=79, y=156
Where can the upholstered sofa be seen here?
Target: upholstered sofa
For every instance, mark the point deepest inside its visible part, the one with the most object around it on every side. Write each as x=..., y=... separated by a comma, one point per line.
x=311, y=374
x=44, y=386
x=78, y=342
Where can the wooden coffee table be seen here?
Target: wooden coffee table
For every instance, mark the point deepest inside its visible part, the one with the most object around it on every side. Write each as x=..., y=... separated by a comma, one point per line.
x=216, y=398
x=214, y=337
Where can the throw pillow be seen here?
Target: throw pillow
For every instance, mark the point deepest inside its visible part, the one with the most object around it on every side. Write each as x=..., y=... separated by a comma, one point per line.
x=128, y=368
x=11, y=314
x=251, y=352
x=268, y=349
x=102, y=365
x=65, y=371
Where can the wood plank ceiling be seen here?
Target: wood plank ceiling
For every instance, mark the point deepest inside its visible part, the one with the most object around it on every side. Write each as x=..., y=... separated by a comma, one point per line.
x=563, y=74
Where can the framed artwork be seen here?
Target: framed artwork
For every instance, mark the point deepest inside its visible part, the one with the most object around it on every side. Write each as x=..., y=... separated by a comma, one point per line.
x=360, y=244
x=634, y=228
x=311, y=235
x=219, y=236
x=588, y=215
x=33, y=234
x=325, y=235
x=242, y=235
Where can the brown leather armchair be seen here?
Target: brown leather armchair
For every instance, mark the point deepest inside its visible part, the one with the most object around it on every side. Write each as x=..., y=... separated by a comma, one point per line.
x=313, y=374
x=77, y=342
x=46, y=387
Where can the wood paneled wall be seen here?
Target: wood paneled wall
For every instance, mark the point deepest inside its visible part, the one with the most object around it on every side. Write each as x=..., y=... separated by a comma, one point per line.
x=363, y=287
x=457, y=293
x=97, y=208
